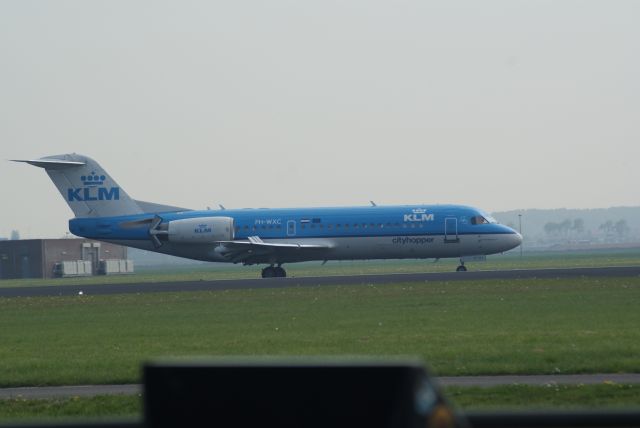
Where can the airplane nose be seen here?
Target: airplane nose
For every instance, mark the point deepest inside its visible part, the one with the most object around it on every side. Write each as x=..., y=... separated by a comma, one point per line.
x=515, y=239
x=518, y=239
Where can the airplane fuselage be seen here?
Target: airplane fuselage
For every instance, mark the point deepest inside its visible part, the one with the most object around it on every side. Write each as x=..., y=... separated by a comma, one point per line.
x=377, y=232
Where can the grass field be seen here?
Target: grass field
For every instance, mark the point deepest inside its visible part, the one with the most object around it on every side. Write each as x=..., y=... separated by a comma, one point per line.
x=464, y=327
x=205, y=271
x=460, y=328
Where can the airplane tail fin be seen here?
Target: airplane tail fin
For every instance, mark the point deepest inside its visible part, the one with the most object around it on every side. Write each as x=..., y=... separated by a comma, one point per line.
x=86, y=187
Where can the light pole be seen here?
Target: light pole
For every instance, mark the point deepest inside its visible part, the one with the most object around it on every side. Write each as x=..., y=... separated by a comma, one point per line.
x=520, y=227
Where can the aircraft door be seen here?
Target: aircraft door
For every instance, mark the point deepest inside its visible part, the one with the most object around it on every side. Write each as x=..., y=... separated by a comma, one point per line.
x=451, y=230
x=291, y=228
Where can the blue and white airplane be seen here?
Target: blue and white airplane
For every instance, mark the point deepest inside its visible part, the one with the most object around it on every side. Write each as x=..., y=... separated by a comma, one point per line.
x=104, y=211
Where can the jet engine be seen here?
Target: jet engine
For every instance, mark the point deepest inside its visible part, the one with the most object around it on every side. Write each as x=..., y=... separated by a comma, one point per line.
x=200, y=230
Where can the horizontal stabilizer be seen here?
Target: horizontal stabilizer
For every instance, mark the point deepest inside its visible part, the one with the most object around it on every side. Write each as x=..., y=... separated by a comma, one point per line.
x=50, y=164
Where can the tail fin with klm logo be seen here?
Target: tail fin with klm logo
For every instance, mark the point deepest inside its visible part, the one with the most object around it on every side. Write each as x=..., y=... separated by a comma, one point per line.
x=86, y=186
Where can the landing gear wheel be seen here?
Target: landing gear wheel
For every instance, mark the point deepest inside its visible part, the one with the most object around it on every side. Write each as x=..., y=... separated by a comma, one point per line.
x=269, y=272
x=461, y=268
x=273, y=272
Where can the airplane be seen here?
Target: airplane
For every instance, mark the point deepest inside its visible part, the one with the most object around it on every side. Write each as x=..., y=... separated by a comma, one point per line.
x=104, y=211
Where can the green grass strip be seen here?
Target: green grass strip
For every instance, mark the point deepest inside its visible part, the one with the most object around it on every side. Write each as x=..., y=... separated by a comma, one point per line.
x=581, y=325
x=523, y=397
x=517, y=397
x=98, y=407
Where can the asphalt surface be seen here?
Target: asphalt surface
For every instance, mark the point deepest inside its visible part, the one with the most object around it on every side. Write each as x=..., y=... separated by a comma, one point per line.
x=379, y=279
x=477, y=381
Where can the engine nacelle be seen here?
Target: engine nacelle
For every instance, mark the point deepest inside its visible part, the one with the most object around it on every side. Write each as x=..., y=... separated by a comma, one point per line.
x=201, y=230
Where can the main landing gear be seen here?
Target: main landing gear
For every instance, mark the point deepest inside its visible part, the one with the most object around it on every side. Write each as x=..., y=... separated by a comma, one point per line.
x=462, y=267
x=274, y=272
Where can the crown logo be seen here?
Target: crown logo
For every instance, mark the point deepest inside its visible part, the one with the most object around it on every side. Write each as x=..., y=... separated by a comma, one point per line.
x=92, y=179
x=418, y=211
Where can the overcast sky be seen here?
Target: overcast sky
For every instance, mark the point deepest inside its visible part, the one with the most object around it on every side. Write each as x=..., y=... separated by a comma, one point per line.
x=497, y=104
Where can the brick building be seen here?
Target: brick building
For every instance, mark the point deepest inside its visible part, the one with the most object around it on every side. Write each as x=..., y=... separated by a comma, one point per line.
x=36, y=258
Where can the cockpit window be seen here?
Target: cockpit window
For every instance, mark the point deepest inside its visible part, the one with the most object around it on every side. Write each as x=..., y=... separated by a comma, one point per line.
x=482, y=218
x=479, y=220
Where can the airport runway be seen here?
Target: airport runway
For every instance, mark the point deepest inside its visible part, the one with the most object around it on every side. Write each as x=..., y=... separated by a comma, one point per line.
x=477, y=381
x=378, y=279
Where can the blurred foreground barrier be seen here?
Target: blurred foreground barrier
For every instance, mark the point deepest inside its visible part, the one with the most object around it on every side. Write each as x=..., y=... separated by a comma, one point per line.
x=294, y=394
x=319, y=393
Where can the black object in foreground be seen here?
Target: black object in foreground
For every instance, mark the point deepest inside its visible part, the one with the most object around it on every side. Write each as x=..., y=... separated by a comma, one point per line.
x=294, y=394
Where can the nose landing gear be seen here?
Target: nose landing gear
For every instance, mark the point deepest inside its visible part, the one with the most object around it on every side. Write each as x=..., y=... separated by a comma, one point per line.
x=274, y=272
x=462, y=267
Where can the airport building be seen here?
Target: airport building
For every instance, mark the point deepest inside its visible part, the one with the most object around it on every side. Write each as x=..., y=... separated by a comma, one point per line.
x=50, y=258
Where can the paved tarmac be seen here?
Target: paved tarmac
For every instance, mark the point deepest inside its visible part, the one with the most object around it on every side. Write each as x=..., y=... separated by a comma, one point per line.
x=379, y=279
x=477, y=381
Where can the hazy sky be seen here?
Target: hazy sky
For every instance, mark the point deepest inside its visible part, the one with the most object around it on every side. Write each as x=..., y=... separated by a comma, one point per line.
x=498, y=104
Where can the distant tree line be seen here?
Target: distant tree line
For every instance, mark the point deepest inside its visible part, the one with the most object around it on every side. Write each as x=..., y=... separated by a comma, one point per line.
x=564, y=227
x=576, y=226
x=619, y=228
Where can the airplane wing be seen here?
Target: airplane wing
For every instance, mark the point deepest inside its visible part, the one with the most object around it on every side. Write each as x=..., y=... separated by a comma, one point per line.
x=255, y=250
